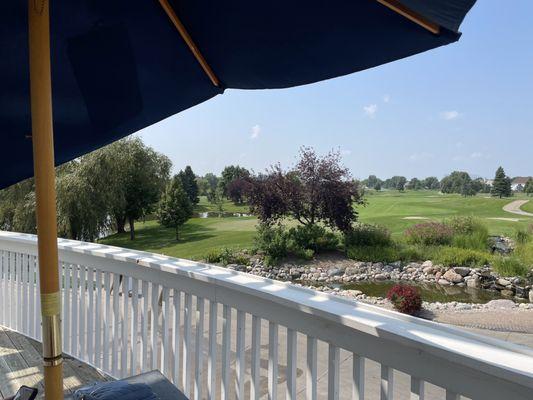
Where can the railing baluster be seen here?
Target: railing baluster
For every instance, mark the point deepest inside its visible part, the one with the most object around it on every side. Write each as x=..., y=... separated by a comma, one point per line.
x=417, y=389
x=134, y=326
x=358, y=377
x=38, y=318
x=212, y=357
x=83, y=313
x=311, y=369
x=144, y=327
x=90, y=316
x=240, y=355
x=292, y=337
x=333, y=372
x=272, y=360
x=226, y=349
x=25, y=305
x=65, y=308
x=452, y=395
x=31, y=316
x=7, y=307
x=98, y=320
x=74, y=342
x=176, y=297
x=114, y=351
x=255, y=387
x=107, y=321
x=154, y=322
x=18, y=272
x=165, y=335
x=387, y=383
x=12, y=301
x=187, y=321
x=124, y=348
x=198, y=356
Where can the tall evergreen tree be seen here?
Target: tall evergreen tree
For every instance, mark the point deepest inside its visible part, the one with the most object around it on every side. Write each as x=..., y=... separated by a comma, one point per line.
x=188, y=181
x=175, y=207
x=528, y=188
x=501, y=186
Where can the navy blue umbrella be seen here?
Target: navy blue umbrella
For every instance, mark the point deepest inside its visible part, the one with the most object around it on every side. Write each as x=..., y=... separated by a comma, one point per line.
x=119, y=66
x=113, y=67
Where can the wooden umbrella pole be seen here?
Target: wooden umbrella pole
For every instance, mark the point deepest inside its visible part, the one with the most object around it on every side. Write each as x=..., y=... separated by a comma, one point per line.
x=43, y=160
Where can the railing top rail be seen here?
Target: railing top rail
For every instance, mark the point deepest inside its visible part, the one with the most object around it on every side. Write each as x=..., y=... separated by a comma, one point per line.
x=494, y=357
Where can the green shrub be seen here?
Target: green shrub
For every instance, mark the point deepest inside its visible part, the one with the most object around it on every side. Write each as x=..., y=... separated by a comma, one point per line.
x=367, y=235
x=469, y=233
x=226, y=256
x=522, y=236
x=456, y=256
x=510, y=266
x=272, y=242
x=524, y=252
x=429, y=234
x=473, y=241
x=311, y=237
x=466, y=225
x=385, y=254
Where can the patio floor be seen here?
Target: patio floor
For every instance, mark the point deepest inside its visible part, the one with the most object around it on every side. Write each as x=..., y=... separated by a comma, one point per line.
x=21, y=364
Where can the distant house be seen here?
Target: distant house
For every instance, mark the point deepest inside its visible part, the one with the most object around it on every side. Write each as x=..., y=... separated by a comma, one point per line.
x=518, y=183
x=489, y=182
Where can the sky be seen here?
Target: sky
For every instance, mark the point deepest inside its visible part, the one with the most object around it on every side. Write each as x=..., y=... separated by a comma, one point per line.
x=467, y=106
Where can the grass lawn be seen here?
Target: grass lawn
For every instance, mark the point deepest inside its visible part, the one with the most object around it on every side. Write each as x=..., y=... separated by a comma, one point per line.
x=388, y=208
x=528, y=206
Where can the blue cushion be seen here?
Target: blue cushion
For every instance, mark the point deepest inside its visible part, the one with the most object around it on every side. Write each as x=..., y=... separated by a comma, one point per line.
x=115, y=390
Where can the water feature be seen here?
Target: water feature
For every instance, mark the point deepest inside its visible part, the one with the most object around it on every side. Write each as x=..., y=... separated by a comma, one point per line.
x=430, y=292
x=221, y=214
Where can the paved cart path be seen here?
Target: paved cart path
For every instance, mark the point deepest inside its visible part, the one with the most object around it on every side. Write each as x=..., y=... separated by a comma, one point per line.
x=514, y=208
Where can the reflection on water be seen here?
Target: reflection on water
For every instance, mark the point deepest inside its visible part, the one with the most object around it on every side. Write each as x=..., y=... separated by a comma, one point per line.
x=221, y=214
x=430, y=292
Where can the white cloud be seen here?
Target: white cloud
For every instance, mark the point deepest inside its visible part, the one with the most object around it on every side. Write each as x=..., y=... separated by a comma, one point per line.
x=459, y=145
x=477, y=155
x=421, y=156
x=386, y=98
x=371, y=110
x=256, y=131
x=449, y=115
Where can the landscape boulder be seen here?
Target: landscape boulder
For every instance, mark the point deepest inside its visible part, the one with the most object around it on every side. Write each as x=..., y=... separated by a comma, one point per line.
x=473, y=282
x=452, y=276
x=463, y=271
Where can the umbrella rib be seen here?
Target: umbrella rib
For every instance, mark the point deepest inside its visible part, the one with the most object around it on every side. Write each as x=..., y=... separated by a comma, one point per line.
x=188, y=40
x=411, y=15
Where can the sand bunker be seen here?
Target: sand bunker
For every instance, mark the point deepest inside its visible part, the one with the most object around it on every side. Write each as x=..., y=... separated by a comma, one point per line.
x=415, y=217
x=506, y=219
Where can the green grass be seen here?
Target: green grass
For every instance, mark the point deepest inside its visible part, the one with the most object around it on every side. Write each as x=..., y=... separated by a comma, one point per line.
x=528, y=206
x=227, y=206
x=391, y=207
x=199, y=236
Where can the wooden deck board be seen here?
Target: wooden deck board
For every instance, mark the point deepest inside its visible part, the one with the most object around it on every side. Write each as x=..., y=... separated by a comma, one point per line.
x=21, y=364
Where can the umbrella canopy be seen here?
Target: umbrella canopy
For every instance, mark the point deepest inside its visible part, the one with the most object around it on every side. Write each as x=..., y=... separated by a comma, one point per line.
x=119, y=66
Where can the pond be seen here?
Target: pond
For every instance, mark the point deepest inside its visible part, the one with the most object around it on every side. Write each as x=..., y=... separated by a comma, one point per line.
x=430, y=292
x=221, y=214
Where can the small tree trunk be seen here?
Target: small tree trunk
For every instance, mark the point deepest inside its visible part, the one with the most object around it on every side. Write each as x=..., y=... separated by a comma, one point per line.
x=132, y=228
x=121, y=223
x=177, y=233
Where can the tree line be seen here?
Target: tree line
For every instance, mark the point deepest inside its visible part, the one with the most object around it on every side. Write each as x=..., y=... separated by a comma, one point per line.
x=458, y=182
x=100, y=192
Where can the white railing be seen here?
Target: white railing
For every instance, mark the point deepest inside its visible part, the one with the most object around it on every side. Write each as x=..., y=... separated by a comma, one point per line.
x=218, y=333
